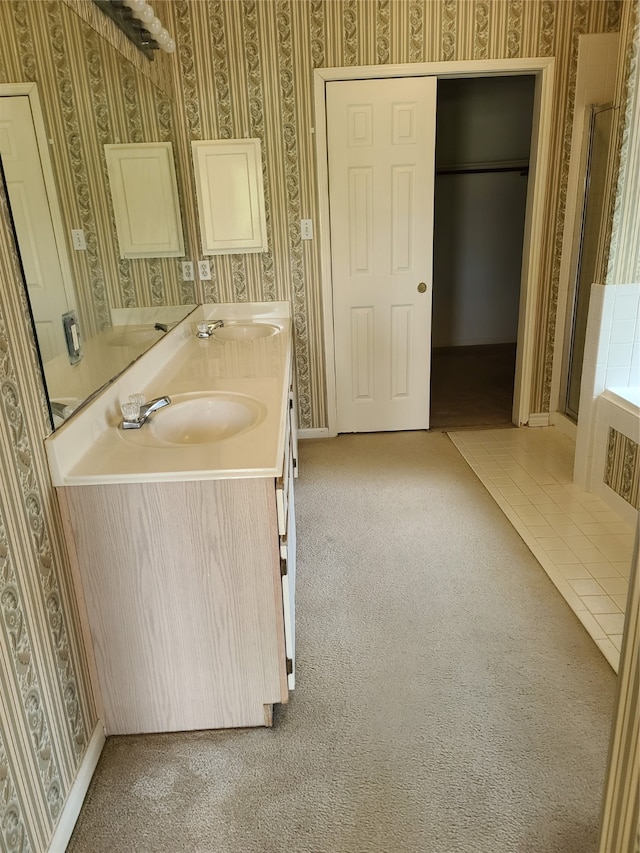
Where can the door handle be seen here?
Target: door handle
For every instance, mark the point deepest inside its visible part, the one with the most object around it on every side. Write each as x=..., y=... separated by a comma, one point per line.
x=422, y=287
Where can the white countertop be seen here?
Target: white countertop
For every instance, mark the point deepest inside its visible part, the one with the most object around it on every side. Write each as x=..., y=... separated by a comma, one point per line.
x=90, y=448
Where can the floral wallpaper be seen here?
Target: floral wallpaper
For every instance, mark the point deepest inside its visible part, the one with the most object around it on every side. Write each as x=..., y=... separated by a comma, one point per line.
x=47, y=714
x=93, y=94
x=246, y=69
x=621, y=472
x=242, y=67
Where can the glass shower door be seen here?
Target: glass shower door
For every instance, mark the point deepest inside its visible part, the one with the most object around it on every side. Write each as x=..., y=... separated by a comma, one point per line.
x=593, y=212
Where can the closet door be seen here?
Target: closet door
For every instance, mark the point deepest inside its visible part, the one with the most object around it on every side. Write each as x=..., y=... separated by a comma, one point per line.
x=33, y=223
x=381, y=150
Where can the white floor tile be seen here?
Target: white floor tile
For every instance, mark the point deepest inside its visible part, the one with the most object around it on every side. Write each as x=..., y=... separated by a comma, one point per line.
x=621, y=601
x=596, y=630
x=613, y=623
x=573, y=571
x=604, y=570
x=582, y=545
x=610, y=652
x=598, y=604
x=583, y=586
x=563, y=556
x=616, y=639
x=614, y=586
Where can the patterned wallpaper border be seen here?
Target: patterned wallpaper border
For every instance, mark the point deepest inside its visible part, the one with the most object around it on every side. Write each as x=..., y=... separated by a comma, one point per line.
x=622, y=467
x=620, y=245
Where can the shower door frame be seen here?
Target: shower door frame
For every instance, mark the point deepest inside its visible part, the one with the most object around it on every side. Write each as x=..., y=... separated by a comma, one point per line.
x=570, y=321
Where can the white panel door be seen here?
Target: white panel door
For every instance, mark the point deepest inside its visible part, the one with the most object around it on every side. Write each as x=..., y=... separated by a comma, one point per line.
x=381, y=150
x=34, y=228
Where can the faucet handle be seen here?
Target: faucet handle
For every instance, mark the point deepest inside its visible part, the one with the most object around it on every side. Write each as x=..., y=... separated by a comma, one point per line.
x=130, y=410
x=137, y=398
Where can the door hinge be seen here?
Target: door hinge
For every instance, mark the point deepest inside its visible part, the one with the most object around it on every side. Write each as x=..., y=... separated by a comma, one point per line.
x=289, y=666
x=283, y=567
x=295, y=463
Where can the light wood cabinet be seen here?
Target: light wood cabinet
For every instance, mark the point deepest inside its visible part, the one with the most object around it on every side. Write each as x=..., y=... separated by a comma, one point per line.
x=186, y=591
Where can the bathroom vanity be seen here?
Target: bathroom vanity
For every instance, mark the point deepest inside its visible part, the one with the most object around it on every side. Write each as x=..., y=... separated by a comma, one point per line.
x=182, y=533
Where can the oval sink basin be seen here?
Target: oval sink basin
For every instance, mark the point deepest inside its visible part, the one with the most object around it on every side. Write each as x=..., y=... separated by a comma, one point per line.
x=245, y=331
x=193, y=419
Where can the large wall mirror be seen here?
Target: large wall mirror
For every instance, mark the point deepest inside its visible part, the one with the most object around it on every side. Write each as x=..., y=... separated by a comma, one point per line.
x=65, y=92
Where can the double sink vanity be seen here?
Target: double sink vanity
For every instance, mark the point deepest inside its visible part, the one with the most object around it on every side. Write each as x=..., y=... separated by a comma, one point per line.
x=180, y=524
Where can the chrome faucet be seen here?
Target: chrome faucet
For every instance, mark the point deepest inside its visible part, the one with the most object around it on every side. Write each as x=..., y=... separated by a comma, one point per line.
x=205, y=330
x=60, y=409
x=136, y=412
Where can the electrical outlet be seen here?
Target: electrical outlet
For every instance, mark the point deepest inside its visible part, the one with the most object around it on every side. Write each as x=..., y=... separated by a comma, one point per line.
x=204, y=270
x=187, y=270
x=306, y=229
x=79, y=242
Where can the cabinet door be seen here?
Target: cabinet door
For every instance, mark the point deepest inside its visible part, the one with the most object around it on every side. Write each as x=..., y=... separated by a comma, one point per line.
x=180, y=584
x=144, y=193
x=230, y=192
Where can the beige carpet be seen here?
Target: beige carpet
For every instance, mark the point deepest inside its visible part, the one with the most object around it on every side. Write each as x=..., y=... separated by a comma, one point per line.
x=448, y=700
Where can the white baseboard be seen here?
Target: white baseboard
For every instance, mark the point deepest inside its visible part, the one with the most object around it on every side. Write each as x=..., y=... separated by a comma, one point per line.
x=564, y=424
x=78, y=792
x=538, y=419
x=322, y=432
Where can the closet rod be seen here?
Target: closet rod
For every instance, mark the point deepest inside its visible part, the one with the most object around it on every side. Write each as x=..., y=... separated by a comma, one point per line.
x=481, y=168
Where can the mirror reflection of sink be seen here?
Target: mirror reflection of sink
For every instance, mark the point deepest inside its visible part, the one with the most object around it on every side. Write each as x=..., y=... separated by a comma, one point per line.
x=193, y=419
x=245, y=331
x=135, y=336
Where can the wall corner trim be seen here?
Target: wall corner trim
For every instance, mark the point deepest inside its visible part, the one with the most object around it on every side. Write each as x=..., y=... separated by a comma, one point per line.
x=538, y=419
x=78, y=791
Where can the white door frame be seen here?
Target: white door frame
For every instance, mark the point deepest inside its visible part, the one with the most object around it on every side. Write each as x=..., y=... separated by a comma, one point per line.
x=30, y=90
x=543, y=69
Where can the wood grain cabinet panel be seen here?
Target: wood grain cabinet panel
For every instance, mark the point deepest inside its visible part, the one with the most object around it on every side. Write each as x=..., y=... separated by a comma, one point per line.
x=183, y=595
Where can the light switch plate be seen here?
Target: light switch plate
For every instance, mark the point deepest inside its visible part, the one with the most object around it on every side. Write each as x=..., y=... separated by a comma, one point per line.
x=78, y=238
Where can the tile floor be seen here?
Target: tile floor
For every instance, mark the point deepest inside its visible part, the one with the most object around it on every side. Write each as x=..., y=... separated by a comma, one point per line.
x=582, y=545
